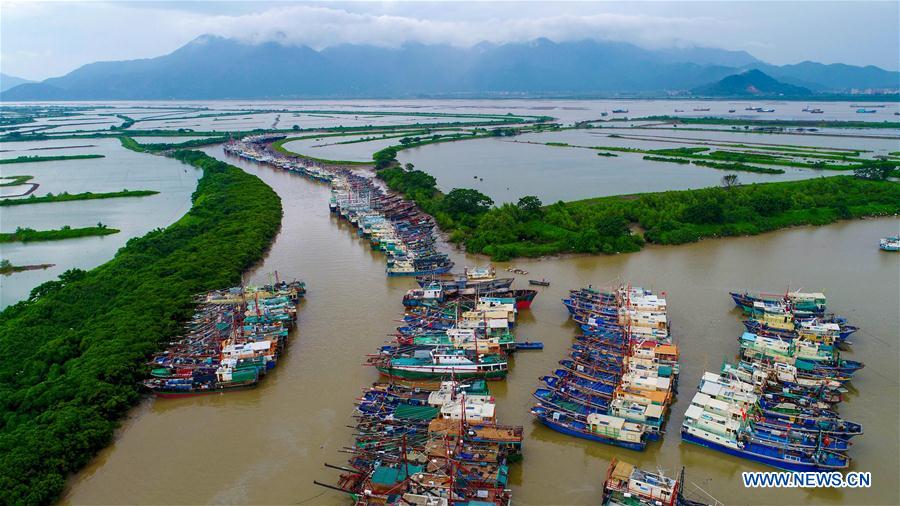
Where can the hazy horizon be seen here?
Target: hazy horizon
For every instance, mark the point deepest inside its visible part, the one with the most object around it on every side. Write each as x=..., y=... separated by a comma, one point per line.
x=49, y=39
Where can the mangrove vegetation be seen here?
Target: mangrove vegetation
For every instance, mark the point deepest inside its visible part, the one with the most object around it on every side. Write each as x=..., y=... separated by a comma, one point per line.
x=76, y=350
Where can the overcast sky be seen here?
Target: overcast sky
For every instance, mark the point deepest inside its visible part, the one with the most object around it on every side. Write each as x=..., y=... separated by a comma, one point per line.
x=47, y=39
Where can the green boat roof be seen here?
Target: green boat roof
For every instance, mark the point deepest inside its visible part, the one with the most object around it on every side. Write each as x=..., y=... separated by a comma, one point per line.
x=477, y=387
x=407, y=412
x=400, y=361
x=389, y=475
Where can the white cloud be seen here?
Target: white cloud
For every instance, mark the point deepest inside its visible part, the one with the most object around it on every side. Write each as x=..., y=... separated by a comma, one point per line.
x=320, y=27
x=42, y=39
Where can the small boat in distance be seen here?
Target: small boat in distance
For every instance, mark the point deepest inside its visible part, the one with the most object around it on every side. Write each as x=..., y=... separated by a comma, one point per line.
x=731, y=110
x=890, y=243
x=620, y=111
x=679, y=110
x=865, y=111
x=701, y=109
x=538, y=282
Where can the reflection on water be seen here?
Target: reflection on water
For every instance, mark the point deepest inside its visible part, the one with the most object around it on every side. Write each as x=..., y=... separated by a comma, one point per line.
x=265, y=446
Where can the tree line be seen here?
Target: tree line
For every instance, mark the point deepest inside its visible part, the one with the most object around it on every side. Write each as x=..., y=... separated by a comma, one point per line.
x=75, y=351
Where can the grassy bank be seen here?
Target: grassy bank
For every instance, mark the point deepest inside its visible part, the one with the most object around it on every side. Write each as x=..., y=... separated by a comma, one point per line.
x=15, y=180
x=730, y=160
x=769, y=122
x=32, y=159
x=606, y=225
x=279, y=147
x=66, y=232
x=66, y=197
x=134, y=145
x=73, y=355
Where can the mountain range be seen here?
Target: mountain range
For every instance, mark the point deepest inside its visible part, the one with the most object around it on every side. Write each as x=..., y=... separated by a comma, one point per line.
x=7, y=81
x=212, y=67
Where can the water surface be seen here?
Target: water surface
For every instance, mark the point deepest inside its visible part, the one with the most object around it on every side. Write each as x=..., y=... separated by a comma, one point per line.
x=265, y=446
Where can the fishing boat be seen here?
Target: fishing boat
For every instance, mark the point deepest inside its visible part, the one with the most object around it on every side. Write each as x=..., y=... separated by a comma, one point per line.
x=731, y=110
x=620, y=111
x=626, y=485
x=866, y=111
x=701, y=109
x=538, y=282
x=800, y=304
x=890, y=243
x=425, y=364
x=594, y=427
x=727, y=435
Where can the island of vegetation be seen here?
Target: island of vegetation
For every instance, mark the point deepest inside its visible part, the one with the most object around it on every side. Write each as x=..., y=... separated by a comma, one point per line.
x=75, y=351
x=30, y=159
x=66, y=197
x=7, y=268
x=66, y=232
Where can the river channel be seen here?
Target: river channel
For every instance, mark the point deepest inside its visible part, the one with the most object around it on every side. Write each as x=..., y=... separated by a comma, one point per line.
x=267, y=445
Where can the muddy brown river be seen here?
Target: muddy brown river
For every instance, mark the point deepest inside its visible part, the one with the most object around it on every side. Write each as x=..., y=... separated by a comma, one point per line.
x=267, y=445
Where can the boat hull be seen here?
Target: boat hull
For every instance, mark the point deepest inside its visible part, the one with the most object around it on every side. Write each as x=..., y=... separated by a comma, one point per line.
x=171, y=394
x=769, y=461
x=638, y=447
x=440, y=373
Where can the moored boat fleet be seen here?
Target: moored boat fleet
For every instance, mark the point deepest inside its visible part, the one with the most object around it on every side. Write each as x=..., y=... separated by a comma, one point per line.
x=389, y=222
x=233, y=339
x=620, y=378
x=428, y=434
x=778, y=404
